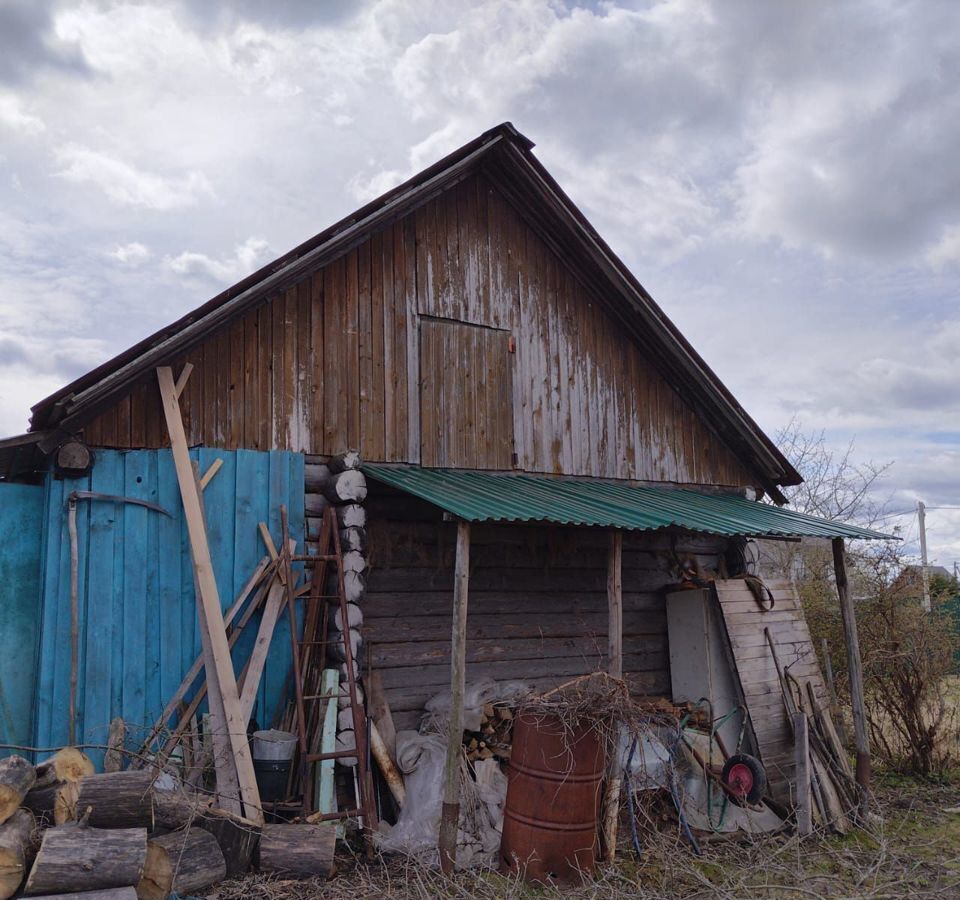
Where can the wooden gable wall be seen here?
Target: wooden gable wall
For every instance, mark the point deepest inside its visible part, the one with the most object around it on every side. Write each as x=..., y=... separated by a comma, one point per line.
x=335, y=362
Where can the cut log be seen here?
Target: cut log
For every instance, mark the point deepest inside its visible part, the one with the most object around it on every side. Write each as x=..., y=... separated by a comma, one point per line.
x=41, y=800
x=343, y=462
x=353, y=539
x=120, y=893
x=118, y=799
x=337, y=650
x=181, y=862
x=354, y=561
x=298, y=851
x=17, y=776
x=348, y=486
x=353, y=515
x=17, y=837
x=68, y=764
x=237, y=837
x=355, y=586
x=77, y=857
x=354, y=617
x=179, y=808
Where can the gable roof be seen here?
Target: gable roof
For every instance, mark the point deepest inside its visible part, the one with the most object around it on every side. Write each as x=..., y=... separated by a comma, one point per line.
x=506, y=157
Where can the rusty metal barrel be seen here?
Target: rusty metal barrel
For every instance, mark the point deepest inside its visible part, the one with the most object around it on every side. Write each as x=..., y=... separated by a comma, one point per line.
x=553, y=798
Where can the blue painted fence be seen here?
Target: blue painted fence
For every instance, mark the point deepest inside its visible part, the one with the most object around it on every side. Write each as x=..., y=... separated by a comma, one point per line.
x=21, y=518
x=138, y=619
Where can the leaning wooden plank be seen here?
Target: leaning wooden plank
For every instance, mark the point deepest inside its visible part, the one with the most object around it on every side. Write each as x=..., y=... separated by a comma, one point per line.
x=211, y=616
x=197, y=666
x=378, y=708
x=297, y=851
x=181, y=862
x=17, y=776
x=391, y=775
x=189, y=713
x=17, y=837
x=325, y=798
x=116, y=799
x=77, y=857
x=261, y=648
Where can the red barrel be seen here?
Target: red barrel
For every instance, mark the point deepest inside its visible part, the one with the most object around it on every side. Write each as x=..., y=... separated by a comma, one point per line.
x=553, y=798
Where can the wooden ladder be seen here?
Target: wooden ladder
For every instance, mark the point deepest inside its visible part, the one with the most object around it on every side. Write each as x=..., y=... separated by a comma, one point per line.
x=307, y=676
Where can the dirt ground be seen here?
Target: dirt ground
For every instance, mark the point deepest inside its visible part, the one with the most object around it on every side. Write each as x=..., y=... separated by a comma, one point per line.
x=914, y=853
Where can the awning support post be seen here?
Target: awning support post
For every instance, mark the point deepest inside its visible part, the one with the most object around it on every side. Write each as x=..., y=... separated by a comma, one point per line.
x=612, y=790
x=450, y=815
x=615, y=604
x=855, y=667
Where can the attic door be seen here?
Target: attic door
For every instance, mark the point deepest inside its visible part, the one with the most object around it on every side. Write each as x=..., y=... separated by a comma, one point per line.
x=466, y=396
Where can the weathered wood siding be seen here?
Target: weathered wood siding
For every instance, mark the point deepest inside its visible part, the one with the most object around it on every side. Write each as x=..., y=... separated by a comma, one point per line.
x=335, y=362
x=537, y=606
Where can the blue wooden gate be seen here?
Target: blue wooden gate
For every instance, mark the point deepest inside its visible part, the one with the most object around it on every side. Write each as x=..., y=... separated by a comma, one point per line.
x=138, y=620
x=21, y=528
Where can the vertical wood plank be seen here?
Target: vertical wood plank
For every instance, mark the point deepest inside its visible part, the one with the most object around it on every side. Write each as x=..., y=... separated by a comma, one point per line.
x=317, y=351
x=353, y=350
x=615, y=604
x=377, y=427
x=367, y=429
x=394, y=443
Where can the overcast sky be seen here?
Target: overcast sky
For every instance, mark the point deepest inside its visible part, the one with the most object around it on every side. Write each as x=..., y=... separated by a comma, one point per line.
x=784, y=178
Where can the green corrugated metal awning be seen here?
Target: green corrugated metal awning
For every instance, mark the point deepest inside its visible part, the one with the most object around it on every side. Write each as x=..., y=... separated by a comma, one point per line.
x=496, y=497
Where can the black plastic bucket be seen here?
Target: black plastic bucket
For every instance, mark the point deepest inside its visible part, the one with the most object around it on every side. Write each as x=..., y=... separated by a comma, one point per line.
x=272, y=776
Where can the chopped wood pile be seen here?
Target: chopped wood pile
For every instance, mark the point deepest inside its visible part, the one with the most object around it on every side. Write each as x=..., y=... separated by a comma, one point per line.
x=493, y=738
x=65, y=830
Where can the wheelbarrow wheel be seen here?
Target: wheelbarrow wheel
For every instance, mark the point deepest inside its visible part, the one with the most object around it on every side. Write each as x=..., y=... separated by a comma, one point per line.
x=746, y=778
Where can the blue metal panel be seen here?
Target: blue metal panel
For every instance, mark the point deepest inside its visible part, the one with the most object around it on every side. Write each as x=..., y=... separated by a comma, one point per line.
x=138, y=622
x=21, y=515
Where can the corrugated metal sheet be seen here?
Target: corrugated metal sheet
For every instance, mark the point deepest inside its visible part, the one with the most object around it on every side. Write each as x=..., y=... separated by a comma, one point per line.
x=21, y=517
x=489, y=497
x=138, y=620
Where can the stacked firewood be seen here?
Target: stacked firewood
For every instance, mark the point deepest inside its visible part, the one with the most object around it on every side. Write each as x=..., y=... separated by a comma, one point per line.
x=65, y=829
x=494, y=738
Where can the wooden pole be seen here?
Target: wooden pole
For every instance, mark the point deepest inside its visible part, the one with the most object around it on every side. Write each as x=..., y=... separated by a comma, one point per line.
x=458, y=655
x=615, y=603
x=802, y=762
x=614, y=784
x=855, y=666
x=211, y=615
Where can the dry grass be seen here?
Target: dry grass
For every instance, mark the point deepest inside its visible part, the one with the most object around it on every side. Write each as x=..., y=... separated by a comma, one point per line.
x=915, y=854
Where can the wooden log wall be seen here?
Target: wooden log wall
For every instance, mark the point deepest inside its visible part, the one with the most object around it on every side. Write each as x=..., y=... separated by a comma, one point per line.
x=334, y=362
x=537, y=608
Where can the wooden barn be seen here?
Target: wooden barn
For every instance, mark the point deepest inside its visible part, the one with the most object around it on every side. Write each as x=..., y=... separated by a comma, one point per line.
x=545, y=455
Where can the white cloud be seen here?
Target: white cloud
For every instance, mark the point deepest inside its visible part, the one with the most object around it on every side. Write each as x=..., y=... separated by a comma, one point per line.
x=131, y=254
x=246, y=258
x=945, y=251
x=13, y=116
x=127, y=185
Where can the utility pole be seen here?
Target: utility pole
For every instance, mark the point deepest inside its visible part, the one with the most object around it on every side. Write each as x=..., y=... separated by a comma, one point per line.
x=922, y=520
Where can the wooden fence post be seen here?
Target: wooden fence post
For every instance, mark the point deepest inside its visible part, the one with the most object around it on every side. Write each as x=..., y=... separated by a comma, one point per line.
x=854, y=665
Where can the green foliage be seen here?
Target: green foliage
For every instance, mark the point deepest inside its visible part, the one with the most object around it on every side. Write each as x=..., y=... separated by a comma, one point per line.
x=912, y=696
